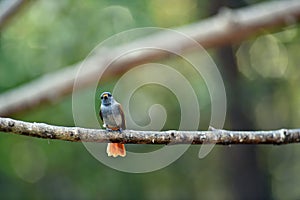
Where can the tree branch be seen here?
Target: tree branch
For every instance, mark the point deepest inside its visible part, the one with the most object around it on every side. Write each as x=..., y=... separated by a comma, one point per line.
x=9, y=9
x=229, y=26
x=217, y=136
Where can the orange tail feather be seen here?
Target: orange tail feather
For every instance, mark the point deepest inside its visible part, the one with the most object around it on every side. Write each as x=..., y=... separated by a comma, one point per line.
x=116, y=149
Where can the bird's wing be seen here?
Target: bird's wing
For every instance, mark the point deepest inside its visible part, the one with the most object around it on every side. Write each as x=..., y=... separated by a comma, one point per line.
x=100, y=114
x=123, y=126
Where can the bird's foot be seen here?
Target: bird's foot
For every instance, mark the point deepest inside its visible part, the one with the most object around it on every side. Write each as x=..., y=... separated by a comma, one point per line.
x=109, y=129
x=120, y=130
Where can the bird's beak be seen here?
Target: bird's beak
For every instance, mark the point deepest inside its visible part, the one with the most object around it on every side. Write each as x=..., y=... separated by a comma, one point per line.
x=105, y=96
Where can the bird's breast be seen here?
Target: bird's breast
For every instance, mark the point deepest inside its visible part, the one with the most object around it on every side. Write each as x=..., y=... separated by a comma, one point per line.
x=111, y=116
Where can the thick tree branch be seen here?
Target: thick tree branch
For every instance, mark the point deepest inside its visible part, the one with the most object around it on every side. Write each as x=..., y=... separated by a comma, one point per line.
x=9, y=9
x=223, y=137
x=229, y=26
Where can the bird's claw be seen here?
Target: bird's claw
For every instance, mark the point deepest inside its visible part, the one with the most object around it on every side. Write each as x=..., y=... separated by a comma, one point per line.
x=111, y=130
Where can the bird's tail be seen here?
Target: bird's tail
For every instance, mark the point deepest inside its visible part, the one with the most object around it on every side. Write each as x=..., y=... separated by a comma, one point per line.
x=116, y=149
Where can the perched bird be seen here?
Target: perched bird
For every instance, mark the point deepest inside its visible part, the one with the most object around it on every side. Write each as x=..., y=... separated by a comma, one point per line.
x=112, y=115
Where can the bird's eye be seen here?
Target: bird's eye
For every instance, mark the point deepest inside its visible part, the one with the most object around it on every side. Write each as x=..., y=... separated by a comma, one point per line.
x=109, y=94
x=101, y=97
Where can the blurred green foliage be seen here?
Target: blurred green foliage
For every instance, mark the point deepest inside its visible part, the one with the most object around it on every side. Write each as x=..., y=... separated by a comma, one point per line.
x=52, y=34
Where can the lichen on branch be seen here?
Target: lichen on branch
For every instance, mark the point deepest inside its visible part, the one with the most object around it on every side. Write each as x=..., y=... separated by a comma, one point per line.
x=212, y=136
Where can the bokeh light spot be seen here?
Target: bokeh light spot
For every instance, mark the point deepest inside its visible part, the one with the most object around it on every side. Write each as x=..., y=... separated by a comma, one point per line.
x=28, y=161
x=268, y=56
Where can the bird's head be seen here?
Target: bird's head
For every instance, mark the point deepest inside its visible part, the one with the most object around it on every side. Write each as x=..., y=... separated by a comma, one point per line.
x=106, y=98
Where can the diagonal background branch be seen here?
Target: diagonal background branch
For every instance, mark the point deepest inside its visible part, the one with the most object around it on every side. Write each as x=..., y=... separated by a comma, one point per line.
x=229, y=26
x=217, y=136
x=9, y=9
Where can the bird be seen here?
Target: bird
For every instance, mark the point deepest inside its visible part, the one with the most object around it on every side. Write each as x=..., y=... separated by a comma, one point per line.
x=112, y=115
